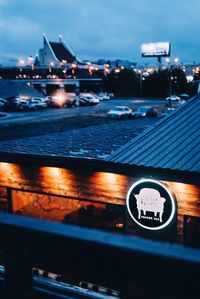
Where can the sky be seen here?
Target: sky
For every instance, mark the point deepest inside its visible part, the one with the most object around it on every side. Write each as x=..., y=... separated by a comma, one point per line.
x=95, y=29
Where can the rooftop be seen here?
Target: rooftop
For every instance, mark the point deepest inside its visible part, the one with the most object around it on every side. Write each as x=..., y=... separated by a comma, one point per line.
x=173, y=143
x=97, y=141
x=61, y=52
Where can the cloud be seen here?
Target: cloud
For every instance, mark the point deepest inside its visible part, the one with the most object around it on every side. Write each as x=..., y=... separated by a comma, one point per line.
x=101, y=28
x=3, y=2
x=19, y=37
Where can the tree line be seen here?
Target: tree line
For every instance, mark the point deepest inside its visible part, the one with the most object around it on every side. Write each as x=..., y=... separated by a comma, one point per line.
x=121, y=81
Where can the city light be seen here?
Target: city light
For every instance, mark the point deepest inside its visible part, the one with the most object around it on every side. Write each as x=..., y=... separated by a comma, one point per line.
x=107, y=65
x=189, y=78
x=21, y=61
x=74, y=65
x=30, y=59
x=117, y=71
x=176, y=60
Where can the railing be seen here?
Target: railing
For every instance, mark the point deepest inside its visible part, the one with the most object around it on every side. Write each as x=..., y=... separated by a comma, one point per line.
x=135, y=267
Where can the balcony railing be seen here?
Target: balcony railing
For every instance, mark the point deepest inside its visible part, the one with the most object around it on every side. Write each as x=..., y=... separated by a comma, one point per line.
x=135, y=267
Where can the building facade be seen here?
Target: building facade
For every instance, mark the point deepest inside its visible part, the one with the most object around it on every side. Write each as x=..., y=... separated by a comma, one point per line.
x=150, y=187
x=56, y=53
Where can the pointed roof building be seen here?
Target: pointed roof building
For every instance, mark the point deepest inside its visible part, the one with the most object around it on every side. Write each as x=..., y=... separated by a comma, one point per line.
x=56, y=53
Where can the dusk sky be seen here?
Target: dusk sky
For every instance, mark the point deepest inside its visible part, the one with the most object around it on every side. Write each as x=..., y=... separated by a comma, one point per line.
x=101, y=28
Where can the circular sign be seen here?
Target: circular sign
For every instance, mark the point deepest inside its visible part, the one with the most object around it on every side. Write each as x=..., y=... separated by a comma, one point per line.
x=150, y=204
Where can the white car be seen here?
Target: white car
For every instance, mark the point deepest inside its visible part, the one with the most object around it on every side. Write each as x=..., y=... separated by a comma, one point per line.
x=173, y=98
x=103, y=96
x=90, y=99
x=120, y=112
x=39, y=102
x=27, y=105
x=174, y=101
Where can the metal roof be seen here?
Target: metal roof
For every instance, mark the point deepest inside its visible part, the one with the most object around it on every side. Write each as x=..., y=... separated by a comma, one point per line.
x=173, y=143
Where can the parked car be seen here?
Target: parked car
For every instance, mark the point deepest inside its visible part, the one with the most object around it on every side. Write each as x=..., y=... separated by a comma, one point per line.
x=174, y=101
x=60, y=101
x=55, y=101
x=103, y=96
x=89, y=100
x=120, y=112
x=82, y=102
x=70, y=101
x=27, y=105
x=173, y=98
x=167, y=112
x=39, y=102
x=3, y=104
x=184, y=96
x=13, y=103
x=145, y=111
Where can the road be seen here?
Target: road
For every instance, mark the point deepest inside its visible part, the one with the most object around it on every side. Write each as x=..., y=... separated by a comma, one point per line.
x=46, y=115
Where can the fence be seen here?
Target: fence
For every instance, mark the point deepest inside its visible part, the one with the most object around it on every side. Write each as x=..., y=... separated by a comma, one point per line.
x=133, y=266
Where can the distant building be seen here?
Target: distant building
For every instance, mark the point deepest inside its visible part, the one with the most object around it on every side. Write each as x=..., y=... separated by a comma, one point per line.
x=125, y=63
x=56, y=53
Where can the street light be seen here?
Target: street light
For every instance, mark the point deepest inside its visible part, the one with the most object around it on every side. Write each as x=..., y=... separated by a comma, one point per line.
x=141, y=78
x=117, y=71
x=21, y=61
x=176, y=60
x=30, y=59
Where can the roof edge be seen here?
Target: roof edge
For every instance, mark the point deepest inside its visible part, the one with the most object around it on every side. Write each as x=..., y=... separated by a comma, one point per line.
x=50, y=48
x=94, y=165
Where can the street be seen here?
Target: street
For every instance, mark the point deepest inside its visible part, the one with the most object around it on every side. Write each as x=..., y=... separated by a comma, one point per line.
x=46, y=115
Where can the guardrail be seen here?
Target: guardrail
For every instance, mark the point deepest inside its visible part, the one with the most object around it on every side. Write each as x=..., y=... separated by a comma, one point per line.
x=135, y=267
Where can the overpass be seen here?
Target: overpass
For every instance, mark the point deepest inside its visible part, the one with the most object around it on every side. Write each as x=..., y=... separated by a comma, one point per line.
x=63, y=84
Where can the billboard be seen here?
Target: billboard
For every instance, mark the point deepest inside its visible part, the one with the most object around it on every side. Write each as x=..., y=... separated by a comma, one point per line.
x=160, y=49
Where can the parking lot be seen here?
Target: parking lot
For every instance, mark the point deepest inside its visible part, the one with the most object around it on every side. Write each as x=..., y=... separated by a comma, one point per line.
x=100, y=110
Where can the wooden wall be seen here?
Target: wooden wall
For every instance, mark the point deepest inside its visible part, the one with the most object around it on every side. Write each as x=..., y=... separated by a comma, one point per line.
x=96, y=186
x=99, y=186
x=188, y=203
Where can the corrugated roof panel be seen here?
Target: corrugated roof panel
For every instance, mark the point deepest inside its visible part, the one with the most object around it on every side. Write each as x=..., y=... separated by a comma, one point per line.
x=180, y=137
x=172, y=143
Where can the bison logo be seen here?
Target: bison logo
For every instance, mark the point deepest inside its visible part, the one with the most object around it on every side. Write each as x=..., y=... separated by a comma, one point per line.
x=149, y=200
